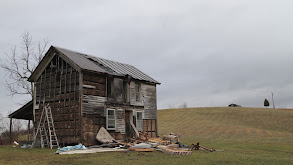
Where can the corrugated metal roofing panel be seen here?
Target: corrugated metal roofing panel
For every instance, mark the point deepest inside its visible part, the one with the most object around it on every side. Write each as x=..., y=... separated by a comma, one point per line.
x=124, y=69
x=105, y=66
x=84, y=63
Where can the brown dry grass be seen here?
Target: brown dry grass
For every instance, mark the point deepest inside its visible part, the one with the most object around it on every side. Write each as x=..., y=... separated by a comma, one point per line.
x=227, y=124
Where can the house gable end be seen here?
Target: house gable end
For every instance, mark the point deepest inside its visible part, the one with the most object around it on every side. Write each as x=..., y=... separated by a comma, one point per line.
x=51, y=53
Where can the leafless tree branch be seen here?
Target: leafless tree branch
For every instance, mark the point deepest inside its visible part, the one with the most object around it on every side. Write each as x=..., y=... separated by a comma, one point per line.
x=21, y=62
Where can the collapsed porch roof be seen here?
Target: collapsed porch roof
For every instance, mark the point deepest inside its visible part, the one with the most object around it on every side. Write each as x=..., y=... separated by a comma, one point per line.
x=25, y=112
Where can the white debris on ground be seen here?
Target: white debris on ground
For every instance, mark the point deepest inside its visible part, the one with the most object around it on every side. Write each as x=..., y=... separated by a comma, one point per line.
x=92, y=150
x=67, y=148
x=103, y=136
x=169, y=144
x=142, y=145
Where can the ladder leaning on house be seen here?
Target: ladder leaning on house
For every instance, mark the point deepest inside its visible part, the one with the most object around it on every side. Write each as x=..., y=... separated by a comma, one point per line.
x=47, y=133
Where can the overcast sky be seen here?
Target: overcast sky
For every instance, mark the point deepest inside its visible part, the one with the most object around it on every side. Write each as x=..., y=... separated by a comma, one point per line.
x=204, y=52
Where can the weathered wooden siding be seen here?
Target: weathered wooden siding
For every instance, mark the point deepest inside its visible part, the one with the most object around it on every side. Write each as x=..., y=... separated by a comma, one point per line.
x=149, y=101
x=93, y=106
x=94, y=84
x=58, y=86
x=94, y=93
x=133, y=95
x=150, y=126
x=120, y=120
x=150, y=110
x=118, y=91
x=91, y=125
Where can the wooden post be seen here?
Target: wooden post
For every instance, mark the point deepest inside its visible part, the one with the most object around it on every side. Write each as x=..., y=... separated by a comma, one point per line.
x=10, y=133
x=29, y=128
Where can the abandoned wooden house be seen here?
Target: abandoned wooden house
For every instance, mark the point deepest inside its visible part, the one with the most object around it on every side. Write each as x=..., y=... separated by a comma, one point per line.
x=86, y=93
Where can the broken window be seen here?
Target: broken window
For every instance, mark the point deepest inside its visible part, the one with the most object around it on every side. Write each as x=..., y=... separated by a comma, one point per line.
x=111, y=119
x=137, y=92
x=139, y=121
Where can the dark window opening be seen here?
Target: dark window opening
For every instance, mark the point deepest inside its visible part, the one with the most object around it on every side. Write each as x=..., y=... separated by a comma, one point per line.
x=109, y=87
x=124, y=91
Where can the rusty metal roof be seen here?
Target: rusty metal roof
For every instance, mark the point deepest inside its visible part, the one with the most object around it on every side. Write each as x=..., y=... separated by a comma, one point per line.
x=97, y=64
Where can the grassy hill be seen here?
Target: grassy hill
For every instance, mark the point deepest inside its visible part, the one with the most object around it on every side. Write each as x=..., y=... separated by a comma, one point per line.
x=247, y=136
x=228, y=124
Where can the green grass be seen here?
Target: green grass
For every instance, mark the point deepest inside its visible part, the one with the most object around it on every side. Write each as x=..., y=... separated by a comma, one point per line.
x=247, y=136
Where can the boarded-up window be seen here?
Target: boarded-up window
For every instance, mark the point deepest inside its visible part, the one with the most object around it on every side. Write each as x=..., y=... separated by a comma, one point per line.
x=139, y=121
x=137, y=92
x=111, y=119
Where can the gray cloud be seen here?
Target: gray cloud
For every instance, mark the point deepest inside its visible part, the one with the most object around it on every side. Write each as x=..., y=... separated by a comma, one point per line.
x=205, y=53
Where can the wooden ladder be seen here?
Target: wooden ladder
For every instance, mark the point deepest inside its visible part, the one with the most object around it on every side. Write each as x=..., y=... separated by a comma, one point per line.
x=46, y=129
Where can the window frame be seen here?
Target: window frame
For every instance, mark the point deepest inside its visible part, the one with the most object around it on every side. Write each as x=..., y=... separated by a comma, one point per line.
x=107, y=119
x=137, y=121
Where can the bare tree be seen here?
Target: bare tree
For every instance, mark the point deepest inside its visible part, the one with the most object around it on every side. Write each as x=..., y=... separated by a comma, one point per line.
x=2, y=127
x=21, y=62
x=4, y=123
x=171, y=106
x=184, y=105
x=17, y=127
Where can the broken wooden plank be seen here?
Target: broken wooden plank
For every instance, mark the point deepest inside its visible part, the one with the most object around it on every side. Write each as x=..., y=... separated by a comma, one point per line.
x=142, y=149
x=176, y=151
x=134, y=128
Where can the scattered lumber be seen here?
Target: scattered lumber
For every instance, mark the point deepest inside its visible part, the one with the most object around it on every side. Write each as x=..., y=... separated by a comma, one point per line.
x=198, y=147
x=171, y=151
x=159, y=141
x=142, y=149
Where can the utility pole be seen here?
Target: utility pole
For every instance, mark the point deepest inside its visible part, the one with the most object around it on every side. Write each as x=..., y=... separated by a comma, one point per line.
x=273, y=100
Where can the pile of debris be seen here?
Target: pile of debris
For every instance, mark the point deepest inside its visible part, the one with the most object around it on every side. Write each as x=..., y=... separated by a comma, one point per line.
x=169, y=144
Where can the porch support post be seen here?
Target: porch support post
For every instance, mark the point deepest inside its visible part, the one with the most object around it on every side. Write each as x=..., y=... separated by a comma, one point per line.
x=10, y=132
x=28, y=130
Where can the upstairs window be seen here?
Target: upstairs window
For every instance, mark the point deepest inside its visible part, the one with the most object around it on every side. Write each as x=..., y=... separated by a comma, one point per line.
x=139, y=121
x=109, y=87
x=137, y=92
x=110, y=119
x=118, y=88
